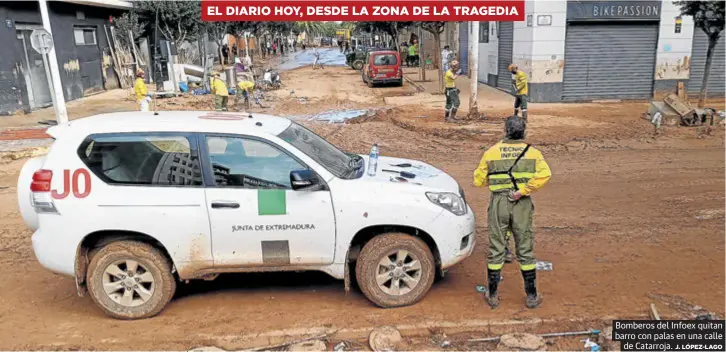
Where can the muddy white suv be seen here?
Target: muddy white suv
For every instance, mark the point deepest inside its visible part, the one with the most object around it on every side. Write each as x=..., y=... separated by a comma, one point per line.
x=131, y=203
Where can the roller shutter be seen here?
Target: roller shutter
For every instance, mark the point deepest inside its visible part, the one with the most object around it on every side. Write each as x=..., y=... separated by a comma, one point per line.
x=464, y=47
x=698, y=64
x=609, y=61
x=506, y=43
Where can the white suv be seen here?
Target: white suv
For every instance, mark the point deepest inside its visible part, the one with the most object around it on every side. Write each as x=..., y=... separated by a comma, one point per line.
x=131, y=203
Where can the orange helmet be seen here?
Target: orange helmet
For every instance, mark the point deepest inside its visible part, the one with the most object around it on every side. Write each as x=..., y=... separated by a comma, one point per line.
x=512, y=67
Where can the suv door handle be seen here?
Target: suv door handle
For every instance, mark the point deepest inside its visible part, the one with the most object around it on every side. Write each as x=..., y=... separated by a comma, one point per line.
x=222, y=205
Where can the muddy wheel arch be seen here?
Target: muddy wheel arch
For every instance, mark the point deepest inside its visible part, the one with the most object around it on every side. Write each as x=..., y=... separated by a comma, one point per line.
x=94, y=241
x=366, y=234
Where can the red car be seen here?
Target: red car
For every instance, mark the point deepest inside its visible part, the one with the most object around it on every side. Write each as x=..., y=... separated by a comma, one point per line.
x=382, y=66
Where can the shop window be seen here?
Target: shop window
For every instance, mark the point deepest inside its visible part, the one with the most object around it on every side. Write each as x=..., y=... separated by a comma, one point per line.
x=483, y=32
x=85, y=35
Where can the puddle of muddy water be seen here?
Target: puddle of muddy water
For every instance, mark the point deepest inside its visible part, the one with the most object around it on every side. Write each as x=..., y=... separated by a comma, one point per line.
x=339, y=116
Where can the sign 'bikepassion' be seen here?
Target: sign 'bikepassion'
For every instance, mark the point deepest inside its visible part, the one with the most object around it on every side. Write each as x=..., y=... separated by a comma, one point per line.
x=613, y=10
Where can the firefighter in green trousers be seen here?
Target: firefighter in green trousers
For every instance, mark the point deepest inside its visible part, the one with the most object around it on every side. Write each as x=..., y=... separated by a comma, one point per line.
x=513, y=170
x=521, y=90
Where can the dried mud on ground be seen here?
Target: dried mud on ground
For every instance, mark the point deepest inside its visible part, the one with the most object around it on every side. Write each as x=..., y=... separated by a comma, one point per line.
x=627, y=217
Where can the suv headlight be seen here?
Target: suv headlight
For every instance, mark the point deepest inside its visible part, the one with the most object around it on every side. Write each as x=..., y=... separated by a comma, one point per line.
x=449, y=201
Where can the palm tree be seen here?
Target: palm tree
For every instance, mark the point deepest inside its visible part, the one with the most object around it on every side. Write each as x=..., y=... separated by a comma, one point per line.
x=310, y=28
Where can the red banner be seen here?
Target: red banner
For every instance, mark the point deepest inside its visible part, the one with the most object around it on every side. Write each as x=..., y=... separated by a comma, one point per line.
x=327, y=10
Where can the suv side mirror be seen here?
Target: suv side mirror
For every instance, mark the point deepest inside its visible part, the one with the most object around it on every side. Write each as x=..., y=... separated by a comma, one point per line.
x=304, y=180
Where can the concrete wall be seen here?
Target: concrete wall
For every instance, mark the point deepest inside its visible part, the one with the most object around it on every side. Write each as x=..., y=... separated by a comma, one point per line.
x=673, y=59
x=523, y=41
x=547, y=63
x=83, y=69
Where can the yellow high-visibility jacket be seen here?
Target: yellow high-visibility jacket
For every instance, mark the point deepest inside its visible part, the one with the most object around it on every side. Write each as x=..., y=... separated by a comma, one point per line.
x=531, y=172
x=218, y=87
x=140, y=89
x=520, y=83
x=249, y=86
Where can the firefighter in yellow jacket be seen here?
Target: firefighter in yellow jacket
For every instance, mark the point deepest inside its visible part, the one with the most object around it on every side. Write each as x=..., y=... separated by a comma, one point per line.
x=220, y=91
x=513, y=170
x=521, y=90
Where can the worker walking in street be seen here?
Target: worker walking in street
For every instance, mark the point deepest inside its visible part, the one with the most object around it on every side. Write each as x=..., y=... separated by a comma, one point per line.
x=142, y=94
x=513, y=170
x=452, y=93
x=521, y=90
x=220, y=91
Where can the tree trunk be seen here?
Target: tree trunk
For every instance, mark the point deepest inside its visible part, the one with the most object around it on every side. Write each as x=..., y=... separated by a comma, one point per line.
x=421, y=60
x=712, y=41
x=473, y=69
x=437, y=60
x=221, y=57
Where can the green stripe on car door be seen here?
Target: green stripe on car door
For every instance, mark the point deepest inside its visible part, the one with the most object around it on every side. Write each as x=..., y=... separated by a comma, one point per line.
x=271, y=202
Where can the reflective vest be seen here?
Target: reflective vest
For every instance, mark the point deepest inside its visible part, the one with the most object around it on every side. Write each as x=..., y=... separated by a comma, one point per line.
x=512, y=165
x=510, y=173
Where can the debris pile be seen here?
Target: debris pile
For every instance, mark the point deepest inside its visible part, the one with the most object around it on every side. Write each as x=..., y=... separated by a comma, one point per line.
x=674, y=111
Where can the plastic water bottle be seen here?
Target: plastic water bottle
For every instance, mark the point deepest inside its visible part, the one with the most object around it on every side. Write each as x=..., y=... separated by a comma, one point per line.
x=373, y=160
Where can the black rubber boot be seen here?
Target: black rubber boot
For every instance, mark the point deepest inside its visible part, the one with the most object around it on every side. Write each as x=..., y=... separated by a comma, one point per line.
x=494, y=276
x=524, y=115
x=453, y=114
x=530, y=288
x=446, y=115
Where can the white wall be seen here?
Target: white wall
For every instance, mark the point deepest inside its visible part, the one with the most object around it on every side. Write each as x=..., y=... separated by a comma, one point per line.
x=523, y=41
x=488, y=54
x=673, y=60
x=548, y=49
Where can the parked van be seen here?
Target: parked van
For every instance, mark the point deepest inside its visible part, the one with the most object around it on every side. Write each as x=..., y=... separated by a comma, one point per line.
x=382, y=66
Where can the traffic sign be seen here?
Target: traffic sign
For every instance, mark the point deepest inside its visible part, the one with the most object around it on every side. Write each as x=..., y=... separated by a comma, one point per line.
x=41, y=41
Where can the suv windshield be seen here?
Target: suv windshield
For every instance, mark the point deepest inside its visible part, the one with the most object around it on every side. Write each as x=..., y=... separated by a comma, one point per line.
x=341, y=164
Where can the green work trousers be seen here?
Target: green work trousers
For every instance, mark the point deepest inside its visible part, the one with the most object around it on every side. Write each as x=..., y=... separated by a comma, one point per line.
x=520, y=102
x=452, y=98
x=504, y=215
x=220, y=102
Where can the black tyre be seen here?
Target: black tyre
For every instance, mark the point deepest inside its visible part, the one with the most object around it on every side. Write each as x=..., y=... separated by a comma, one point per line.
x=395, y=270
x=130, y=280
x=358, y=65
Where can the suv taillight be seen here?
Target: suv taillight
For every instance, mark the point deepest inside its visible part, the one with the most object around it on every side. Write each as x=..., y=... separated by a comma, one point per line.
x=41, y=195
x=41, y=181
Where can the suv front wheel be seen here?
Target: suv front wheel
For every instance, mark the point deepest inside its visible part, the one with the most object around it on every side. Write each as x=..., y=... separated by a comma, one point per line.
x=395, y=270
x=130, y=280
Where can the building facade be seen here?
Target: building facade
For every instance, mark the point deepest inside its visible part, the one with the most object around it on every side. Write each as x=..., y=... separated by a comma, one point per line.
x=81, y=48
x=599, y=50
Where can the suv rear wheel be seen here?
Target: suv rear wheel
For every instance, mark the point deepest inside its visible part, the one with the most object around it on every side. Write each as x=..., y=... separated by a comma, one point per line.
x=358, y=65
x=395, y=270
x=130, y=280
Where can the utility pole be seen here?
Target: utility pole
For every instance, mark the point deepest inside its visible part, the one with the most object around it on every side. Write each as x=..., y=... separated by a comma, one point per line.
x=474, y=69
x=59, y=102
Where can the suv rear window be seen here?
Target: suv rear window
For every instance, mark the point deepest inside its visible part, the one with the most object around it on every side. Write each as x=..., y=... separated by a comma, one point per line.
x=385, y=60
x=142, y=159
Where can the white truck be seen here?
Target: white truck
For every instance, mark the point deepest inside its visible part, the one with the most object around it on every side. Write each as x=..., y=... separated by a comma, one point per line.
x=132, y=203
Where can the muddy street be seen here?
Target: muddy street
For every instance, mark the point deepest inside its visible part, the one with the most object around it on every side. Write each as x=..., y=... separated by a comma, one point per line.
x=627, y=216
